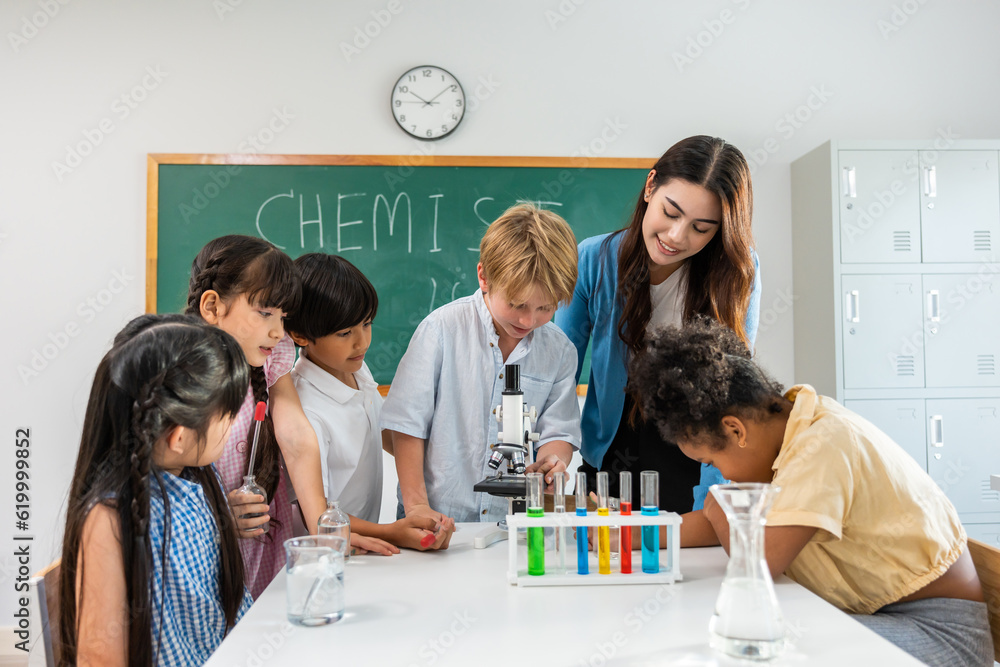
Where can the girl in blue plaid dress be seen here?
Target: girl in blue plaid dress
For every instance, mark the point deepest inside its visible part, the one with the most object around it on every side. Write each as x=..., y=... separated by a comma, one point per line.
x=151, y=571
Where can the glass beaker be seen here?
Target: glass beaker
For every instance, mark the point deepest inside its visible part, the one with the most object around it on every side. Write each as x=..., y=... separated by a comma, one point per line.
x=747, y=622
x=315, y=587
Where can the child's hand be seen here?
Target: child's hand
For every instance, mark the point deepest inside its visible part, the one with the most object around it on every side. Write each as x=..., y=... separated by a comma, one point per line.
x=412, y=531
x=547, y=466
x=446, y=523
x=243, y=504
x=362, y=545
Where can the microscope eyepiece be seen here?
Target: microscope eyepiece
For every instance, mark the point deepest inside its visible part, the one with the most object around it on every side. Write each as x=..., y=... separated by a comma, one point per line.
x=512, y=379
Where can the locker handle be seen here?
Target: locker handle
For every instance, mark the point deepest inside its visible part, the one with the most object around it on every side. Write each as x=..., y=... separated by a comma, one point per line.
x=851, y=305
x=934, y=305
x=937, y=431
x=930, y=181
x=849, y=185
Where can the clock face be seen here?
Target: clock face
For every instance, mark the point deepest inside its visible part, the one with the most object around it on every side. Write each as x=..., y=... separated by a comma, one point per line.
x=428, y=102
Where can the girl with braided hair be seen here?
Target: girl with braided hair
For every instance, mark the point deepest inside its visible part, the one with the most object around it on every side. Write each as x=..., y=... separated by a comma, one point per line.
x=687, y=250
x=246, y=287
x=857, y=521
x=151, y=573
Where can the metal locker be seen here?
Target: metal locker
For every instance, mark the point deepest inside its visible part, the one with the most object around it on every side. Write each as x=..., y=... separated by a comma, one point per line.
x=879, y=207
x=961, y=321
x=901, y=420
x=963, y=436
x=959, y=206
x=882, y=331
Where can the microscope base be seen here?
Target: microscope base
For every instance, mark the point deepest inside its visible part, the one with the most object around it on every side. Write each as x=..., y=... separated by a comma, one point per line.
x=489, y=536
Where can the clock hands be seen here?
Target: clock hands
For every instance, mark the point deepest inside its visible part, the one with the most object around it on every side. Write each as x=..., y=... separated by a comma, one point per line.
x=439, y=95
x=426, y=103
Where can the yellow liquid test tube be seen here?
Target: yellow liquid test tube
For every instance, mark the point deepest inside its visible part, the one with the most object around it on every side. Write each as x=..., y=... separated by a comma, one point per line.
x=603, y=532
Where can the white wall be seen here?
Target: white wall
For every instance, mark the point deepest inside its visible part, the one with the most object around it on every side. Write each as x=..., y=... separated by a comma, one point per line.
x=553, y=86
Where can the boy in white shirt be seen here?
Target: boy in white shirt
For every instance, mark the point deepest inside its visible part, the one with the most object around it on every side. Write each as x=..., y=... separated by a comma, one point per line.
x=339, y=395
x=440, y=404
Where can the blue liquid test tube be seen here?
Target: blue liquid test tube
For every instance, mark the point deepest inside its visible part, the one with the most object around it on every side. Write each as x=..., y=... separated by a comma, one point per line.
x=582, y=548
x=650, y=491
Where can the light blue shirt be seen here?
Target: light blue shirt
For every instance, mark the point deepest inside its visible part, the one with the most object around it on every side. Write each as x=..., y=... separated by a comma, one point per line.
x=447, y=385
x=593, y=314
x=188, y=616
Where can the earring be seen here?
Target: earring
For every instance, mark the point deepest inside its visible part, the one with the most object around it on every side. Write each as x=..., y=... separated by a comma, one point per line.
x=743, y=444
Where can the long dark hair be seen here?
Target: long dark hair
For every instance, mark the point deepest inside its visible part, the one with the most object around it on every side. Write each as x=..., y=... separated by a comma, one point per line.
x=163, y=371
x=335, y=296
x=720, y=277
x=234, y=265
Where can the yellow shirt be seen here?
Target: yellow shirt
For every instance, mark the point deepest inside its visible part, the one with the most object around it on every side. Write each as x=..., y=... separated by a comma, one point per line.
x=885, y=528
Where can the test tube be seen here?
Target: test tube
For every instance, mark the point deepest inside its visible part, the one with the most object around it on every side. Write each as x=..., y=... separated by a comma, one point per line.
x=582, y=548
x=603, y=532
x=625, y=540
x=649, y=481
x=536, y=536
x=562, y=532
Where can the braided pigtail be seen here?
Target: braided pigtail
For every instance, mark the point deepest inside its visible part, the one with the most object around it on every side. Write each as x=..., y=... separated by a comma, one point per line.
x=203, y=279
x=134, y=511
x=267, y=466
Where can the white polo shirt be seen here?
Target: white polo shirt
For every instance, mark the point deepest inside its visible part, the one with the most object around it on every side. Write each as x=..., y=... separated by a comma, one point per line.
x=350, y=441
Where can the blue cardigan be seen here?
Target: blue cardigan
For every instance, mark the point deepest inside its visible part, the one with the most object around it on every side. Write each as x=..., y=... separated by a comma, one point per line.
x=595, y=311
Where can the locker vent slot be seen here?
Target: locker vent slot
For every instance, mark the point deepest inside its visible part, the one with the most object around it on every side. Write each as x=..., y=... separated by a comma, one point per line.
x=989, y=495
x=901, y=241
x=986, y=365
x=981, y=241
x=905, y=365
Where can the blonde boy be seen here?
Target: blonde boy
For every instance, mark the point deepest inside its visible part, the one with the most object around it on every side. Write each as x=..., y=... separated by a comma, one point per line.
x=439, y=407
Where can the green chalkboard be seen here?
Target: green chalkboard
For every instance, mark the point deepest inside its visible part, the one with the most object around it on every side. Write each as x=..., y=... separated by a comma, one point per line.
x=412, y=225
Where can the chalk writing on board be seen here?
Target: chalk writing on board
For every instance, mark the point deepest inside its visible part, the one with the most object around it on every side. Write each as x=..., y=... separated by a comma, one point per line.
x=380, y=207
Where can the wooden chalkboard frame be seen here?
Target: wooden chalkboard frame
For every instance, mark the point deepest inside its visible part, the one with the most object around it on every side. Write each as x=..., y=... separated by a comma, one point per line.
x=154, y=160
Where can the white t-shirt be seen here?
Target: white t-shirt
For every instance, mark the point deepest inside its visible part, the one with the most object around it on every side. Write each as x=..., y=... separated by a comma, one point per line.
x=667, y=300
x=350, y=441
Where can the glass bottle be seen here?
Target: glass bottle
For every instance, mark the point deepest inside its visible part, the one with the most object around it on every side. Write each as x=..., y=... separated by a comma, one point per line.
x=250, y=488
x=747, y=622
x=334, y=521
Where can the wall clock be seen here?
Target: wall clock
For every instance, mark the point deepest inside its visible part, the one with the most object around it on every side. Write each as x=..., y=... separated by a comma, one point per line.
x=428, y=102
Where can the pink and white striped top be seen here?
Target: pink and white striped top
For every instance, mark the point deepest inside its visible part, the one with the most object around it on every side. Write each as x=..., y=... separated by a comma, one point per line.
x=264, y=556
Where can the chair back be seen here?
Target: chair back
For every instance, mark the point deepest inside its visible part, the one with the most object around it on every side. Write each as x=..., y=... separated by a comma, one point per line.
x=987, y=561
x=43, y=589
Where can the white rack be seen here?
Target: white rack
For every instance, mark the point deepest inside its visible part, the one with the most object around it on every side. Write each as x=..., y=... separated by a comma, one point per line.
x=517, y=570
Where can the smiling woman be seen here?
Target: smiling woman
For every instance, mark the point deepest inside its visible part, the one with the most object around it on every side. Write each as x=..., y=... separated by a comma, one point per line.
x=686, y=251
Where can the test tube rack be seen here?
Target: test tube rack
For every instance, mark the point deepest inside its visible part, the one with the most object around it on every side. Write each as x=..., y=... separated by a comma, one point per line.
x=517, y=571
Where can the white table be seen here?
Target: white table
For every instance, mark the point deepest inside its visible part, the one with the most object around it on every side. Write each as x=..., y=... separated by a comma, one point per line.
x=455, y=607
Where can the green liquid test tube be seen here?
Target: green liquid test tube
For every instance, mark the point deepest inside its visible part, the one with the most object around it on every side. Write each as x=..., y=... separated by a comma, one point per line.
x=536, y=536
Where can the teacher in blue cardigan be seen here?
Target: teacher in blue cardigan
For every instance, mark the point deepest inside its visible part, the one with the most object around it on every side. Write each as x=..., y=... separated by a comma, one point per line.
x=687, y=251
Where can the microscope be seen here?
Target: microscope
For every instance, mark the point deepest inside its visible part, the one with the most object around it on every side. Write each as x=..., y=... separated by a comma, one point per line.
x=514, y=447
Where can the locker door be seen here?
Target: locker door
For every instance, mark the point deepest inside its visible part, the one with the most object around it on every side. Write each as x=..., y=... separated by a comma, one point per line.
x=901, y=420
x=879, y=207
x=963, y=436
x=961, y=321
x=959, y=206
x=882, y=331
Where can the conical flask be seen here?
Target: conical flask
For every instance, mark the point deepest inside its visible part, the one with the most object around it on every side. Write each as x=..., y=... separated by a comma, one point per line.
x=747, y=622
